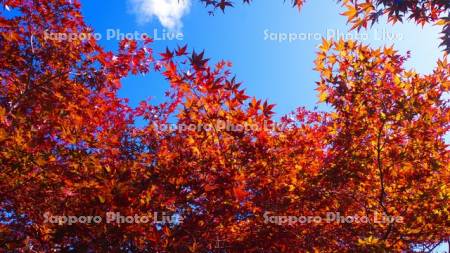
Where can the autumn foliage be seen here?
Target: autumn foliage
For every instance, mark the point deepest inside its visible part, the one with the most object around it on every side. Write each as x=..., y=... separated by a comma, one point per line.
x=70, y=146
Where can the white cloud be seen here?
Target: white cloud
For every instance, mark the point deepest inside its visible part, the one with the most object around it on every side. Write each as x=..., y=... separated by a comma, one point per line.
x=169, y=12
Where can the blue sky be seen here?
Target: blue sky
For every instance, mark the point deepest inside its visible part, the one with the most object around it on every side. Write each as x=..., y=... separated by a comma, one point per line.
x=278, y=71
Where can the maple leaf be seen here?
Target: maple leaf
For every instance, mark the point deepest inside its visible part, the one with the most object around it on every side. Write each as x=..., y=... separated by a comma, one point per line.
x=222, y=4
x=181, y=50
x=198, y=61
x=168, y=55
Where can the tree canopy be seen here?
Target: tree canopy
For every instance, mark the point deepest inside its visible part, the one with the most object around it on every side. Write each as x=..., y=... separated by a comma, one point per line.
x=69, y=146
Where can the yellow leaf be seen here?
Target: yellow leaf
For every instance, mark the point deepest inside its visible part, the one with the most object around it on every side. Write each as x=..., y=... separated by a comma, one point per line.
x=323, y=96
x=351, y=13
x=397, y=80
x=325, y=45
x=442, y=22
